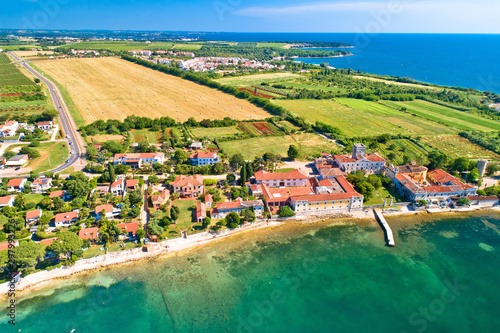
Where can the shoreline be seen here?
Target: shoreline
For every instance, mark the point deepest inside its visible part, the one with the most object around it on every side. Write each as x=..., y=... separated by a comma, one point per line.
x=43, y=279
x=330, y=57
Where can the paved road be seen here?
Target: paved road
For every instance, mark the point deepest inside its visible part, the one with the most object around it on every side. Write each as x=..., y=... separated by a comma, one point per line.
x=69, y=127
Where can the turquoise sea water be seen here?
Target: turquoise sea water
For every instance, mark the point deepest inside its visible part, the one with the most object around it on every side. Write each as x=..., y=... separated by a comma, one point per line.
x=441, y=277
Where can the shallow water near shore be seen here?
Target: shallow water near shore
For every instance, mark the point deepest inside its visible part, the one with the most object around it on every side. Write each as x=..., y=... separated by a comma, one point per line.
x=321, y=277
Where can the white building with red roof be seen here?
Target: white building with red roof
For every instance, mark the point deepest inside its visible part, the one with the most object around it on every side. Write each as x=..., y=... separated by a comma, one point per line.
x=9, y=129
x=292, y=178
x=222, y=209
x=45, y=125
x=32, y=216
x=188, y=186
x=41, y=185
x=17, y=184
x=66, y=219
x=118, y=187
x=7, y=201
x=130, y=228
x=89, y=233
x=204, y=158
x=136, y=160
x=360, y=161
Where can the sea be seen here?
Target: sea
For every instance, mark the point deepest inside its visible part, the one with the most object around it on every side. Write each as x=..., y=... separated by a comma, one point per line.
x=329, y=276
x=461, y=60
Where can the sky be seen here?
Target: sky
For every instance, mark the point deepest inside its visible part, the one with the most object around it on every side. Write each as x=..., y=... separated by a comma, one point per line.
x=367, y=16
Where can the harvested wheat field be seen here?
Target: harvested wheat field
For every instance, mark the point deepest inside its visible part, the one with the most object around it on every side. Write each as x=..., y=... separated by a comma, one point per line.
x=112, y=88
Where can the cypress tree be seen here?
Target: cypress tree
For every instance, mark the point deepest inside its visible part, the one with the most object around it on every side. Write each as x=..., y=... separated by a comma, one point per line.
x=243, y=175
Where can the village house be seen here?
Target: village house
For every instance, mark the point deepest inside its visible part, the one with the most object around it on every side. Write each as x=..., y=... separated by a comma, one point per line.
x=188, y=186
x=202, y=158
x=159, y=200
x=89, y=233
x=17, y=161
x=16, y=185
x=209, y=200
x=196, y=145
x=293, y=178
x=65, y=219
x=118, y=187
x=32, y=216
x=7, y=201
x=45, y=125
x=136, y=160
x=48, y=241
x=480, y=201
x=131, y=184
x=111, y=212
x=360, y=161
x=222, y=209
x=130, y=229
x=201, y=212
x=9, y=129
x=41, y=185
x=59, y=194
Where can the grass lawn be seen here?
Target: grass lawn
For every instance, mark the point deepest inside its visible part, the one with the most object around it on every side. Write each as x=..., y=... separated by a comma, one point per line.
x=289, y=125
x=96, y=139
x=53, y=155
x=284, y=170
x=455, y=146
x=381, y=194
x=145, y=135
x=36, y=198
x=256, y=79
x=312, y=87
x=93, y=251
x=308, y=143
x=458, y=119
x=275, y=45
x=116, y=246
x=358, y=118
x=215, y=132
x=186, y=217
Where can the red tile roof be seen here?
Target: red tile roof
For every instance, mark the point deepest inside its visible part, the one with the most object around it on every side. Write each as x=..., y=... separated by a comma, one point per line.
x=57, y=194
x=130, y=227
x=107, y=207
x=48, y=241
x=264, y=175
x=89, y=233
x=326, y=197
x=6, y=200
x=201, y=210
x=16, y=182
x=61, y=217
x=204, y=155
x=182, y=181
x=208, y=198
x=139, y=155
x=117, y=183
x=32, y=214
x=131, y=182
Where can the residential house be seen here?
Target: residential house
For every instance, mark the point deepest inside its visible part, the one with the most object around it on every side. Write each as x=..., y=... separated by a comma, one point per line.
x=89, y=233
x=130, y=228
x=110, y=211
x=196, y=145
x=118, y=187
x=137, y=160
x=222, y=209
x=131, y=184
x=414, y=171
x=16, y=185
x=9, y=129
x=159, y=200
x=33, y=216
x=360, y=161
x=201, y=212
x=209, y=200
x=66, y=219
x=48, y=241
x=59, y=194
x=17, y=161
x=204, y=158
x=45, y=125
x=5, y=245
x=293, y=178
x=7, y=201
x=41, y=185
x=188, y=186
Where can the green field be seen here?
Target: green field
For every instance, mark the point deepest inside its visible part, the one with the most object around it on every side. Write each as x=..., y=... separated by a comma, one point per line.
x=309, y=144
x=10, y=75
x=275, y=45
x=127, y=46
x=458, y=119
x=145, y=136
x=186, y=217
x=257, y=79
x=357, y=118
x=215, y=132
x=53, y=155
x=455, y=146
x=312, y=87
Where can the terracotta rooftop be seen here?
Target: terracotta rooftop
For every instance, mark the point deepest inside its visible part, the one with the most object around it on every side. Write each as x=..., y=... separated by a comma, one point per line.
x=16, y=182
x=264, y=175
x=89, y=233
x=182, y=181
x=129, y=227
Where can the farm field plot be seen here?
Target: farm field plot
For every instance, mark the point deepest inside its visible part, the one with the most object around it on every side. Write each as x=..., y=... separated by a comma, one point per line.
x=455, y=146
x=127, y=46
x=251, y=80
x=397, y=83
x=145, y=136
x=111, y=88
x=97, y=139
x=259, y=129
x=24, y=54
x=457, y=119
x=311, y=87
x=215, y=132
x=10, y=75
x=357, y=118
x=276, y=45
x=308, y=143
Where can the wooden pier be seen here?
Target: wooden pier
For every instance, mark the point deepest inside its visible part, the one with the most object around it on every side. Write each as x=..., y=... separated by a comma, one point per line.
x=387, y=229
